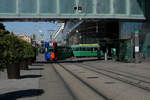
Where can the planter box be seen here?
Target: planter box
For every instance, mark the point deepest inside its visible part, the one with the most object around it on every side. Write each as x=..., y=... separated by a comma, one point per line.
x=24, y=65
x=29, y=61
x=13, y=71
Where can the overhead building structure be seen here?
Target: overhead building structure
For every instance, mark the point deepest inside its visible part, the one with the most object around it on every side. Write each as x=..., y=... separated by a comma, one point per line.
x=74, y=9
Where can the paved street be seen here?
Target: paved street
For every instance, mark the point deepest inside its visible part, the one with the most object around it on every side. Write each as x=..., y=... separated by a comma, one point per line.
x=79, y=79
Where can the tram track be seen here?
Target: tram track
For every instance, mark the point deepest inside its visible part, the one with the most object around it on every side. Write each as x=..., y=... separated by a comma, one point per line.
x=85, y=83
x=122, y=73
x=65, y=84
x=142, y=84
x=132, y=74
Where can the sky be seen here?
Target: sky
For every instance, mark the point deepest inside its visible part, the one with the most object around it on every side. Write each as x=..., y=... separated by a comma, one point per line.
x=29, y=28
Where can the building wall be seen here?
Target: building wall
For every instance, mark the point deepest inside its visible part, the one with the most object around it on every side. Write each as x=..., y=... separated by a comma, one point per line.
x=127, y=30
x=25, y=38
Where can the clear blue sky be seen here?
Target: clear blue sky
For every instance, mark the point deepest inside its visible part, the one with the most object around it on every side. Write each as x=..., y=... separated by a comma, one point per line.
x=30, y=28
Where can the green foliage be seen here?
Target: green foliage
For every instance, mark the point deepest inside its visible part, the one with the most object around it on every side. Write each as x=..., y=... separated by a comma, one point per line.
x=34, y=36
x=13, y=49
x=3, y=33
x=28, y=51
x=2, y=27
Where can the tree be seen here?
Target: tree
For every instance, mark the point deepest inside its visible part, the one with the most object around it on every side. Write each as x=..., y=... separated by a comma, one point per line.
x=2, y=30
x=12, y=49
x=2, y=27
x=34, y=37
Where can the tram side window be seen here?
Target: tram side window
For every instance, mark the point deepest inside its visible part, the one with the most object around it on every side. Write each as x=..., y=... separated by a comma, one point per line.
x=83, y=49
x=76, y=49
x=88, y=49
x=94, y=49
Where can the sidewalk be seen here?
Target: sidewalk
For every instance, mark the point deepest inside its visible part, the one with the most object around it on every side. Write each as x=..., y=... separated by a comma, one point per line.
x=26, y=88
x=40, y=82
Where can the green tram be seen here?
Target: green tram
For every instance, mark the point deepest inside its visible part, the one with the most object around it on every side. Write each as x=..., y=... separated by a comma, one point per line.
x=64, y=52
x=87, y=50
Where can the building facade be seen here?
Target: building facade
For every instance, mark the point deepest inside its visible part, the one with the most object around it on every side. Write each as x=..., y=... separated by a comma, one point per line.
x=25, y=38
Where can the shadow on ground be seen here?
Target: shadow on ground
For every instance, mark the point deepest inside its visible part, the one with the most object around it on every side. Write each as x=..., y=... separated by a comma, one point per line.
x=21, y=94
x=30, y=76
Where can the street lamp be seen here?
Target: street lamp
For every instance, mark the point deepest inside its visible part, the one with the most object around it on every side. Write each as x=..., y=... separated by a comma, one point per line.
x=42, y=35
x=50, y=34
x=40, y=31
x=77, y=31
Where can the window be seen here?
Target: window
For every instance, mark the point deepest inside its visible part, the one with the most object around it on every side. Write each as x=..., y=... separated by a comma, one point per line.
x=76, y=49
x=83, y=49
x=88, y=49
x=95, y=49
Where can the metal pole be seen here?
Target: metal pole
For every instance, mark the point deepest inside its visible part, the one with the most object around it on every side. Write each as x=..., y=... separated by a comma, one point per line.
x=106, y=54
x=136, y=41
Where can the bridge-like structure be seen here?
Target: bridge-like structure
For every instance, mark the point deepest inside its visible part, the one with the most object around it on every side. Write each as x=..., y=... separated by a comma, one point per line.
x=74, y=9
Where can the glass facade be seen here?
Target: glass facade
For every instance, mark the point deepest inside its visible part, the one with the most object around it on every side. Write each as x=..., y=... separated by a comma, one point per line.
x=87, y=6
x=136, y=7
x=7, y=6
x=48, y=6
x=67, y=6
x=102, y=8
x=147, y=8
x=120, y=6
x=28, y=6
x=126, y=9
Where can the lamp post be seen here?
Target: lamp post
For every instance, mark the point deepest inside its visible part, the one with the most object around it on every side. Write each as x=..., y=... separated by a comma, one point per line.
x=51, y=34
x=80, y=39
x=42, y=35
